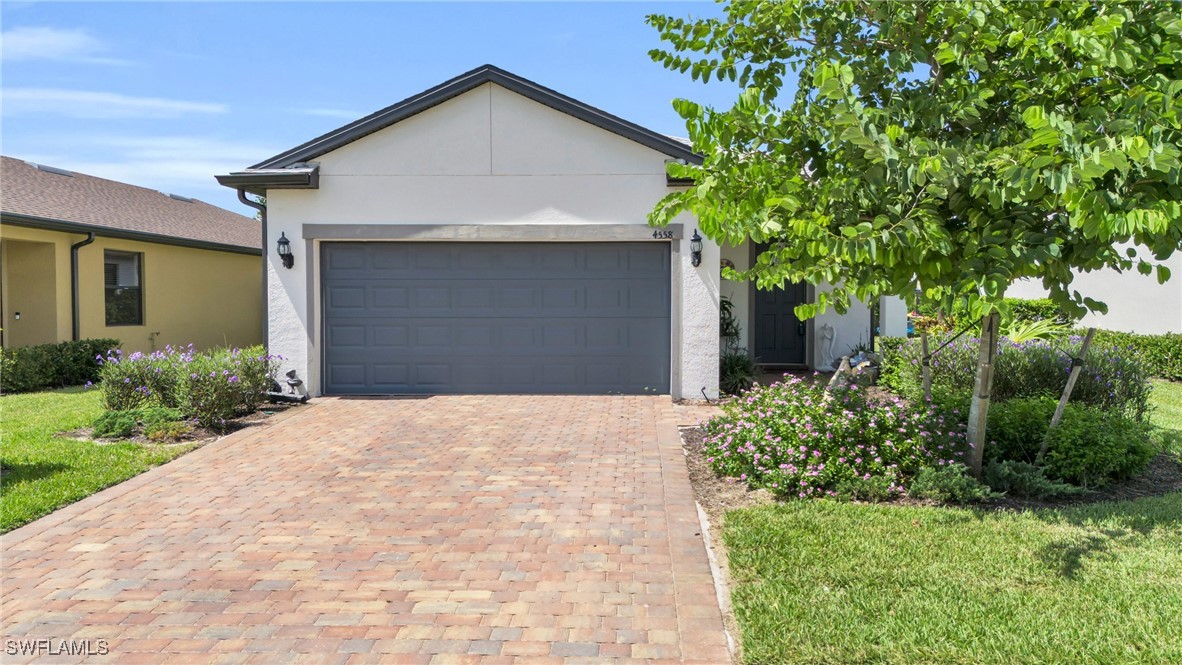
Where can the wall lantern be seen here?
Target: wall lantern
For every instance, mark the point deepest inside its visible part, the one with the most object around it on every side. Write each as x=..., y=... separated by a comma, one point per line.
x=696, y=249
x=283, y=248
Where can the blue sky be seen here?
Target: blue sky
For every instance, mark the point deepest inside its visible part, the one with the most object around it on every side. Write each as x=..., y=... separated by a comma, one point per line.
x=164, y=95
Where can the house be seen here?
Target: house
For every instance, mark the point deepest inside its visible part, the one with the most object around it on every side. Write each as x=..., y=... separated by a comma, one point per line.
x=85, y=257
x=490, y=235
x=1136, y=302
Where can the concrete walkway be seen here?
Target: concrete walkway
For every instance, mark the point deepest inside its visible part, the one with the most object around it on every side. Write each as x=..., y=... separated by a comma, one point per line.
x=502, y=529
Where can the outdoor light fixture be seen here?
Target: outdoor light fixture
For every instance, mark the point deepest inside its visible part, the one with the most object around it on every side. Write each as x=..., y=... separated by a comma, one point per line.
x=283, y=247
x=696, y=249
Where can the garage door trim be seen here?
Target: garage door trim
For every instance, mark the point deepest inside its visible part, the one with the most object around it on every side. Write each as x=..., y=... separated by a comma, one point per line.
x=669, y=344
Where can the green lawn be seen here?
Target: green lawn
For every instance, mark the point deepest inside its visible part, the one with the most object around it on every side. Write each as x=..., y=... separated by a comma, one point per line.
x=42, y=472
x=827, y=582
x=1167, y=414
x=823, y=582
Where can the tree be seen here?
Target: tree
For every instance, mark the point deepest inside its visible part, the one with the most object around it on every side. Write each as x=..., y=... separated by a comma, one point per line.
x=953, y=147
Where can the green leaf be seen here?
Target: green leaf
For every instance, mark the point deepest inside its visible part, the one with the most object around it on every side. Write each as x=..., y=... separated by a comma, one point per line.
x=1034, y=117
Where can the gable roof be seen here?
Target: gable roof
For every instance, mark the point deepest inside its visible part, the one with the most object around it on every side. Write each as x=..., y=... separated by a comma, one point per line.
x=297, y=157
x=45, y=197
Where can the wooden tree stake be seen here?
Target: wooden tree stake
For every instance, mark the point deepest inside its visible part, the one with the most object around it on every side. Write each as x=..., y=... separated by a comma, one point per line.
x=927, y=367
x=1076, y=367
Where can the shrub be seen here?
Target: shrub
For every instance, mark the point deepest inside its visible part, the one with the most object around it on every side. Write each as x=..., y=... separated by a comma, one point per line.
x=1016, y=428
x=736, y=372
x=1025, y=480
x=948, y=483
x=140, y=379
x=1088, y=448
x=27, y=368
x=210, y=388
x=1160, y=355
x=1091, y=447
x=1112, y=379
x=209, y=392
x=115, y=424
x=797, y=440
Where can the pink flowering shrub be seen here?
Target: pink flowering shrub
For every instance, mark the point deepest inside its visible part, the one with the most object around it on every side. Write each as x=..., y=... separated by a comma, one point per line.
x=798, y=441
x=208, y=388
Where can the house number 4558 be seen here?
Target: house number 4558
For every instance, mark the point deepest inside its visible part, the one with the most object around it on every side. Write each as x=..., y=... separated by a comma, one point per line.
x=663, y=235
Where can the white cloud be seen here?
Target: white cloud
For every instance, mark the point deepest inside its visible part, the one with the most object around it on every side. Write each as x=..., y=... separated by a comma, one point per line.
x=43, y=43
x=178, y=164
x=343, y=114
x=98, y=105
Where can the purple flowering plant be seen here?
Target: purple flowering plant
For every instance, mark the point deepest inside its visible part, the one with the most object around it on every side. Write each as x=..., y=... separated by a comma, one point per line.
x=799, y=441
x=208, y=388
x=1112, y=379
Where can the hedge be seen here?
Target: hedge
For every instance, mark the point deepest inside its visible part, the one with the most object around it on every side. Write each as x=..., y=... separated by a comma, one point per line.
x=1022, y=310
x=27, y=368
x=1160, y=354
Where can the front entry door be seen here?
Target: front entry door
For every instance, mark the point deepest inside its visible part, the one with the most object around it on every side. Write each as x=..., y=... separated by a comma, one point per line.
x=780, y=336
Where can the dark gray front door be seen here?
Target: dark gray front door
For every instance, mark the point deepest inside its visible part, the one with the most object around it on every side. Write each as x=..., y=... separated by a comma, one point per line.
x=780, y=336
x=544, y=318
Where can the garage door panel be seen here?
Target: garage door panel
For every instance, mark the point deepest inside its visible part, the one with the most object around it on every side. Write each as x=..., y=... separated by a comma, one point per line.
x=496, y=317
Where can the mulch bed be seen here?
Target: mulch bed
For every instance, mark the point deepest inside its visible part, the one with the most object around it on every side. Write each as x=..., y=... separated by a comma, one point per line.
x=199, y=435
x=718, y=495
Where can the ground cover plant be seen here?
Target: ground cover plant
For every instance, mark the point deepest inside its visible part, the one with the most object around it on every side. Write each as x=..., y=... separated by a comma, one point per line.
x=41, y=471
x=798, y=440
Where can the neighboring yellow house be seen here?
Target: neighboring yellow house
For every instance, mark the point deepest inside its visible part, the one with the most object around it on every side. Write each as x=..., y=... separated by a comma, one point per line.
x=84, y=257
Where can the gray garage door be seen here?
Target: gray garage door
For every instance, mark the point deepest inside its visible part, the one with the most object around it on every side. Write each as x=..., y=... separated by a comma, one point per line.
x=546, y=318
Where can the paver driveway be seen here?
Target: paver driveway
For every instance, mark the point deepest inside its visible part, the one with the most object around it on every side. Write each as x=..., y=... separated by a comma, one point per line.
x=446, y=529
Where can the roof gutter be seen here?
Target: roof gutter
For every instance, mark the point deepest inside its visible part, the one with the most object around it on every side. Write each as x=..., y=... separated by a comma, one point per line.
x=258, y=181
x=74, y=300
x=32, y=222
x=262, y=208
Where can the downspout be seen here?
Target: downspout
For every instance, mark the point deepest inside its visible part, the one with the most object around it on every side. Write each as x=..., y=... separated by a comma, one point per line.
x=266, y=301
x=77, y=327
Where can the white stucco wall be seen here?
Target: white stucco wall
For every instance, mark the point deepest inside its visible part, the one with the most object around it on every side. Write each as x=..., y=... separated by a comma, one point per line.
x=739, y=292
x=849, y=329
x=1136, y=302
x=488, y=156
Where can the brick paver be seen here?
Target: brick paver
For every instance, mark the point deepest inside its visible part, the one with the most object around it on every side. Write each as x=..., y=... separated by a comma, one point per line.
x=502, y=529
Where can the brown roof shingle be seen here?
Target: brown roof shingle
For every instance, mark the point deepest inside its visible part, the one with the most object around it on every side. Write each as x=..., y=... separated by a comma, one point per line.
x=83, y=199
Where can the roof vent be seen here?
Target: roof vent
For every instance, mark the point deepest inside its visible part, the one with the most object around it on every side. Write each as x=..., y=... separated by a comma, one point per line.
x=51, y=169
x=178, y=197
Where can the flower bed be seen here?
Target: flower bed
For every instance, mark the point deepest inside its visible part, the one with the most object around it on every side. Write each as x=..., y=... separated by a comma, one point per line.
x=208, y=388
x=796, y=440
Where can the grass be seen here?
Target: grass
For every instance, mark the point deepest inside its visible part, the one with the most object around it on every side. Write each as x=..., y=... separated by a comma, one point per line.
x=43, y=472
x=828, y=582
x=1167, y=414
x=825, y=582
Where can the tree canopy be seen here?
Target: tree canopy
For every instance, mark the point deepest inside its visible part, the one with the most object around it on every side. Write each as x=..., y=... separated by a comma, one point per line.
x=883, y=146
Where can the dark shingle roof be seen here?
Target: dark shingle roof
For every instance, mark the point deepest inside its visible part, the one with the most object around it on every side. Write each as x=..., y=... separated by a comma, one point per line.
x=410, y=106
x=77, y=199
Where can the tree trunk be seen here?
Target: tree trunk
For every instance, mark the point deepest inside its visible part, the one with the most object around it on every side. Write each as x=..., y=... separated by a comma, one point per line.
x=979, y=408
